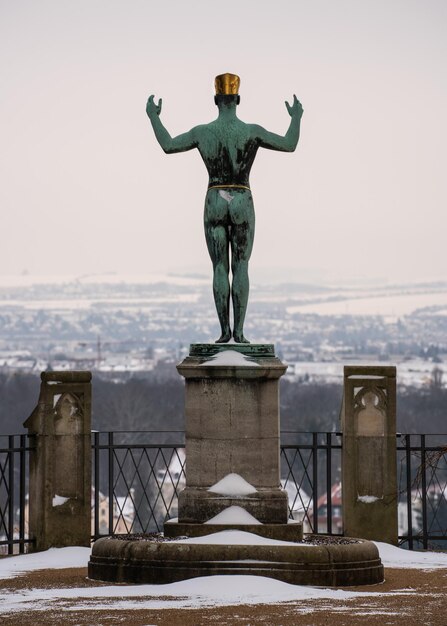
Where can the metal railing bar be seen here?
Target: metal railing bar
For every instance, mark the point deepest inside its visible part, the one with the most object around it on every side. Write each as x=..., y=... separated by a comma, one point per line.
x=110, y=468
x=96, y=483
x=315, y=481
x=310, y=446
x=424, y=493
x=139, y=446
x=7, y=542
x=409, y=507
x=19, y=448
x=329, y=483
x=103, y=432
x=418, y=448
x=22, y=490
x=10, y=532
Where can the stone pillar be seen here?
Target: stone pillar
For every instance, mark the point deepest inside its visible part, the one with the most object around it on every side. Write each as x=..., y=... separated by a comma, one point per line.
x=369, y=466
x=60, y=465
x=232, y=427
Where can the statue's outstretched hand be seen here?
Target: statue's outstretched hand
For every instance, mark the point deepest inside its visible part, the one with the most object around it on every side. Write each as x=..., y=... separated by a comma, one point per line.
x=296, y=108
x=152, y=108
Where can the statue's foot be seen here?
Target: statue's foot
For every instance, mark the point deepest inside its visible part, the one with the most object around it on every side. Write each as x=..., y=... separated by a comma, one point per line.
x=224, y=338
x=239, y=338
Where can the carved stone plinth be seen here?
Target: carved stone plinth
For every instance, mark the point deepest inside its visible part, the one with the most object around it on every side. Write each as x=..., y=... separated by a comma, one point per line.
x=232, y=427
x=293, y=531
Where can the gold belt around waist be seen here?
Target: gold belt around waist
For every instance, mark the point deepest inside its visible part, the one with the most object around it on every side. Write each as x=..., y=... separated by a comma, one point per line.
x=229, y=187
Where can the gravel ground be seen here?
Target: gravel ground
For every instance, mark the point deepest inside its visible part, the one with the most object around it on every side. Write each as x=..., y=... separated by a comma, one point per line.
x=423, y=603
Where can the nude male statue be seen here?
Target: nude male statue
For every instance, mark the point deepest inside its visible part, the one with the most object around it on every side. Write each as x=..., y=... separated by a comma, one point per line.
x=228, y=148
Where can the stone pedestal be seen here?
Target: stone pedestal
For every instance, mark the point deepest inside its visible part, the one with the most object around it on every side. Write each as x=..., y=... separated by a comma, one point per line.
x=60, y=464
x=232, y=426
x=369, y=468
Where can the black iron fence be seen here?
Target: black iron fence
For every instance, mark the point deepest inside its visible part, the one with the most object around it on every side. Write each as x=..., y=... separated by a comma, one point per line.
x=142, y=478
x=422, y=476
x=137, y=477
x=14, y=475
x=311, y=475
x=136, y=480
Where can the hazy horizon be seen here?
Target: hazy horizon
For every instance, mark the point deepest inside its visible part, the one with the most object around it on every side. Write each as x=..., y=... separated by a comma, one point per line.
x=85, y=188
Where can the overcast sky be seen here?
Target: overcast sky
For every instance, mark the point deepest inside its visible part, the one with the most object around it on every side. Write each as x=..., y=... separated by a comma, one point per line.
x=85, y=188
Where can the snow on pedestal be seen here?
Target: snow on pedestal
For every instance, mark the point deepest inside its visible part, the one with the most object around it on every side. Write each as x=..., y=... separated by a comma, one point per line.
x=233, y=485
x=230, y=358
x=238, y=538
x=59, y=500
x=368, y=499
x=233, y=515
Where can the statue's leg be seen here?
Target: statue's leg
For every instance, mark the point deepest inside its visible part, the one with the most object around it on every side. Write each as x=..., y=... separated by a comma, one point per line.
x=242, y=217
x=216, y=233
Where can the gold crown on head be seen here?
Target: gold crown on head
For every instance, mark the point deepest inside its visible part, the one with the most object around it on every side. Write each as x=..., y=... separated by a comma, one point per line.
x=227, y=84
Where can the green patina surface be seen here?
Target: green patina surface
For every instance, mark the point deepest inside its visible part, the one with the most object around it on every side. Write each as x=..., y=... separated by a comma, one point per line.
x=228, y=148
x=253, y=350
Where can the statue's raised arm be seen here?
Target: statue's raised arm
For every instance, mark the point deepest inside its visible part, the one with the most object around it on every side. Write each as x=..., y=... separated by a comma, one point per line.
x=169, y=144
x=289, y=141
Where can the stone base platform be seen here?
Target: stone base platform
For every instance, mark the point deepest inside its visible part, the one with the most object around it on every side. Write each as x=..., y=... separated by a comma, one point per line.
x=198, y=505
x=282, y=532
x=159, y=561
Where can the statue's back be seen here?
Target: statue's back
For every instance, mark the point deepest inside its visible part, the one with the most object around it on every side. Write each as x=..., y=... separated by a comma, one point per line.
x=228, y=149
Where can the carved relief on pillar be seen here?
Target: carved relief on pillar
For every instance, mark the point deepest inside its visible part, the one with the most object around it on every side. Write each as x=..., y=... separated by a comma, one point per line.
x=68, y=449
x=369, y=452
x=68, y=409
x=370, y=407
x=60, y=465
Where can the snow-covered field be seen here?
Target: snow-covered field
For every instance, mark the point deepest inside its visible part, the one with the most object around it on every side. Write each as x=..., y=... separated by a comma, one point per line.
x=199, y=592
x=388, y=305
x=112, y=278
x=410, y=372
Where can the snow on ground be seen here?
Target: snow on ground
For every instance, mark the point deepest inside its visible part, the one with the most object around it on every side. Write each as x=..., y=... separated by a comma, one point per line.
x=233, y=485
x=233, y=515
x=193, y=593
x=397, y=557
x=54, y=558
x=59, y=558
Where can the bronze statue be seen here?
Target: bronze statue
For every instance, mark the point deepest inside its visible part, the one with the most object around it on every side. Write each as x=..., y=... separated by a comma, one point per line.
x=228, y=148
